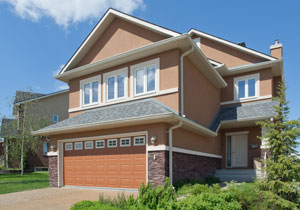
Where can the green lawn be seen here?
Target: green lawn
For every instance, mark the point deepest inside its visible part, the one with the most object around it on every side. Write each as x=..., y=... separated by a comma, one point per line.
x=15, y=182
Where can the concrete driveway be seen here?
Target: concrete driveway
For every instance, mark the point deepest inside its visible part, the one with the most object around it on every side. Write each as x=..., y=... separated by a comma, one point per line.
x=53, y=198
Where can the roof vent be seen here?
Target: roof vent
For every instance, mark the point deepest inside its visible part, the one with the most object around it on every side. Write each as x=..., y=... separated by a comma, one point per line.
x=243, y=44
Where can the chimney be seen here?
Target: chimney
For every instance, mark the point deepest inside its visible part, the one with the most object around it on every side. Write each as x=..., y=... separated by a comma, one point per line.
x=276, y=49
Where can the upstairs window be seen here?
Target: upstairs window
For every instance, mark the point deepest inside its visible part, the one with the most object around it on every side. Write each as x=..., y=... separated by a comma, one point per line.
x=90, y=89
x=246, y=87
x=116, y=84
x=145, y=77
x=55, y=118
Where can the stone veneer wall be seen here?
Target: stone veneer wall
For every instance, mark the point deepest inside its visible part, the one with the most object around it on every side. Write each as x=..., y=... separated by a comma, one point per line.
x=53, y=173
x=185, y=166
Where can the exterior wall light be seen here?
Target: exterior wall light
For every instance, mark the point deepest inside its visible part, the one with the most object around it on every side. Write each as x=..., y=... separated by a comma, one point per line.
x=153, y=139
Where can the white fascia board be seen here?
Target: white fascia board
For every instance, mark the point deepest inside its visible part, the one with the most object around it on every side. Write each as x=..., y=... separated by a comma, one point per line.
x=112, y=12
x=135, y=52
x=233, y=45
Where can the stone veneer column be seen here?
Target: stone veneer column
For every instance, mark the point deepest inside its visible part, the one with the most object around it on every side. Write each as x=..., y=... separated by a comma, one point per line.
x=158, y=167
x=53, y=173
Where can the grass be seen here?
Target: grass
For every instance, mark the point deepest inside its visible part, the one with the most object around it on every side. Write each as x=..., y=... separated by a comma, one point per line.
x=15, y=182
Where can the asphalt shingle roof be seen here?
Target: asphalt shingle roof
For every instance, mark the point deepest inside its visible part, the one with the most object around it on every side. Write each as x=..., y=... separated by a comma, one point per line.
x=24, y=96
x=136, y=109
x=244, y=111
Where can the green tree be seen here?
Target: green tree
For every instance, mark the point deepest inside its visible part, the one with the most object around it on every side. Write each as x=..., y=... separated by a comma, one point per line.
x=281, y=139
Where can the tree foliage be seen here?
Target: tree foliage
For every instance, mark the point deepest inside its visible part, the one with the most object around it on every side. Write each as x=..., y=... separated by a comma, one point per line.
x=281, y=141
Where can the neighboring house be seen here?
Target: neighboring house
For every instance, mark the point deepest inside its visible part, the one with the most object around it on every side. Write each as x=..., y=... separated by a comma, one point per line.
x=2, y=152
x=45, y=108
x=147, y=102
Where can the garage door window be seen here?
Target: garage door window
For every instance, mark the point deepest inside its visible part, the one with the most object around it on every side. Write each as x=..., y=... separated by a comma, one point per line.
x=68, y=146
x=125, y=142
x=112, y=143
x=78, y=146
x=100, y=144
x=139, y=141
x=89, y=145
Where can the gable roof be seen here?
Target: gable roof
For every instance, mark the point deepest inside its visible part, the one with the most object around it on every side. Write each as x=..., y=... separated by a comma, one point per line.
x=100, y=28
x=22, y=96
x=232, y=45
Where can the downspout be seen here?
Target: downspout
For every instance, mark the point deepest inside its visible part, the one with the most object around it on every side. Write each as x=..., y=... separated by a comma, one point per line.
x=171, y=150
x=181, y=80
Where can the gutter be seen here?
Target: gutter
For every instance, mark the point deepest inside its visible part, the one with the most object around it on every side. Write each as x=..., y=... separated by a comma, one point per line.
x=181, y=80
x=171, y=150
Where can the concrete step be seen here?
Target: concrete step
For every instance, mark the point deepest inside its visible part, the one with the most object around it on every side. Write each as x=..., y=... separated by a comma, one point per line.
x=238, y=175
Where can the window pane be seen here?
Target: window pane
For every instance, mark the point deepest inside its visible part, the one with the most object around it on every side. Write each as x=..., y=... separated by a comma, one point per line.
x=86, y=90
x=95, y=91
x=151, y=78
x=251, y=87
x=111, y=88
x=121, y=90
x=228, y=150
x=241, y=89
x=139, y=81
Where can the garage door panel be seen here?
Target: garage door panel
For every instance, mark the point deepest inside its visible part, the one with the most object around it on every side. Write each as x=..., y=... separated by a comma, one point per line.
x=121, y=167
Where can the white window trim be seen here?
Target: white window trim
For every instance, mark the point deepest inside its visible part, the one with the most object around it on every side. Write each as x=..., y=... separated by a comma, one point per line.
x=126, y=145
x=197, y=41
x=85, y=143
x=90, y=80
x=53, y=118
x=67, y=146
x=78, y=143
x=115, y=73
x=246, y=78
x=139, y=66
x=100, y=141
x=110, y=140
x=138, y=137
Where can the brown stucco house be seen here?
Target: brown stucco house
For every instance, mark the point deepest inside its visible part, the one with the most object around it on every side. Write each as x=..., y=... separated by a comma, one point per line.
x=38, y=110
x=146, y=103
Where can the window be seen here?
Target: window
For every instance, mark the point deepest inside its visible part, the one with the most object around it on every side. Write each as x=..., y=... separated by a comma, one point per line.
x=116, y=84
x=112, y=143
x=125, y=142
x=89, y=145
x=90, y=89
x=100, y=144
x=246, y=87
x=55, y=118
x=78, y=145
x=139, y=140
x=46, y=148
x=68, y=146
x=145, y=77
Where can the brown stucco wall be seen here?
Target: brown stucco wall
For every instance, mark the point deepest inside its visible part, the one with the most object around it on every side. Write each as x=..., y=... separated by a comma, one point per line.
x=227, y=55
x=265, y=84
x=119, y=37
x=254, y=132
x=185, y=139
x=169, y=68
x=201, y=98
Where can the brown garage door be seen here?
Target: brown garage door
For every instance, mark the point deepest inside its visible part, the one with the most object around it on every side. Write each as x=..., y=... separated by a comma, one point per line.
x=109, y=165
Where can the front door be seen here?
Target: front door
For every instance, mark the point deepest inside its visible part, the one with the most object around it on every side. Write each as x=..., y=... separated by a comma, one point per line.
x=238, y=150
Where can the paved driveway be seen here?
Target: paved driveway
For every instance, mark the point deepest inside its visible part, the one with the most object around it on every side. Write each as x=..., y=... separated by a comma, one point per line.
x=52, y=198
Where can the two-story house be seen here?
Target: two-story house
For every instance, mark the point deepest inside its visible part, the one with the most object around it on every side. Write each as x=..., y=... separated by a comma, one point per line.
x=37, y=110
x=146, y=102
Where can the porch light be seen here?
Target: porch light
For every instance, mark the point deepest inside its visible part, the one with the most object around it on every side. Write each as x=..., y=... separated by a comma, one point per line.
x=153, y=139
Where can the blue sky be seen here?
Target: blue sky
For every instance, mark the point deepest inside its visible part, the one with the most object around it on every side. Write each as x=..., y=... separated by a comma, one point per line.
x=37, y=38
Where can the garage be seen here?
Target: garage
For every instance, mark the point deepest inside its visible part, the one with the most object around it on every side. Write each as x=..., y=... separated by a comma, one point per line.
x=112, y=163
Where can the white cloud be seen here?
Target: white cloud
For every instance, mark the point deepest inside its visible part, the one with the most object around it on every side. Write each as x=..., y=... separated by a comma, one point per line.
x=65, y=12
x=62, y=87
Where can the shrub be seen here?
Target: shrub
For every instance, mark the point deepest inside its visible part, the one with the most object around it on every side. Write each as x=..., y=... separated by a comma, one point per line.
x=92, y=205
x=200, y=188
x=212, y=180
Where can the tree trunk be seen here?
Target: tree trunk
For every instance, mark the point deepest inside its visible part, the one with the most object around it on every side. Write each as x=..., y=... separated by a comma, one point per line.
x=22, y=157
